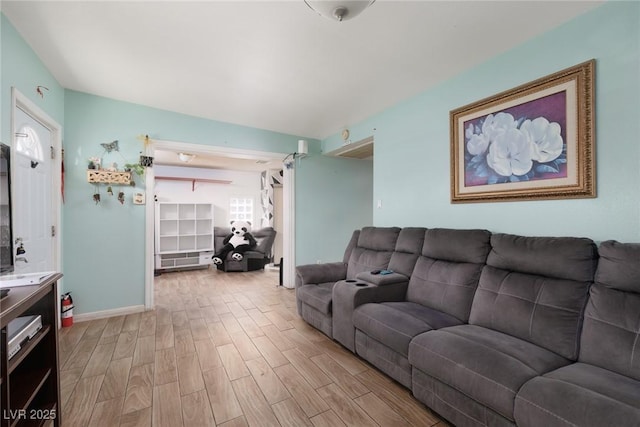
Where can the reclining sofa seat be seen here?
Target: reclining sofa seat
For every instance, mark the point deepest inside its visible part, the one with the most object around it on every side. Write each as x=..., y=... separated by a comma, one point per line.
x=369, y=249
x=439, y=294
x=525, y=321
x=370, y=287
x=603, y=387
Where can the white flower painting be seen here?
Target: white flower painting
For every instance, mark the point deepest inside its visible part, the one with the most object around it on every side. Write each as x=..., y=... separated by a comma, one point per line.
x=521, y=144
x=532, y=142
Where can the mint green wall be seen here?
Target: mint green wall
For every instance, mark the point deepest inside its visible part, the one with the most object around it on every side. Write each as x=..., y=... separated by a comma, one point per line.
x=22, y=69
x=411, y=166
x=334, y=196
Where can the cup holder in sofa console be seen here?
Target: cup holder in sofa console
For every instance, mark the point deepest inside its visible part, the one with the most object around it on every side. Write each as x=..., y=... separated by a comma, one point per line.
x=351, y=281
x=361, y=284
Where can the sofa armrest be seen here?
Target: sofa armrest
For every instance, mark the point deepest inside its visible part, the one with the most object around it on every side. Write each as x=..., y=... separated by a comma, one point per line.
x=310, y=274
x=347, y=296
x=382, y=279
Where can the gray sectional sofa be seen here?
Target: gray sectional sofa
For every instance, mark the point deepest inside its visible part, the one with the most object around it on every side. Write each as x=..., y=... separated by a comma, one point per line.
x=489, y=329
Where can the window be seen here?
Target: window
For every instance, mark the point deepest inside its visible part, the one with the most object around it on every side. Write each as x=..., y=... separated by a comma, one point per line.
x=28, y=143
x=241, y=209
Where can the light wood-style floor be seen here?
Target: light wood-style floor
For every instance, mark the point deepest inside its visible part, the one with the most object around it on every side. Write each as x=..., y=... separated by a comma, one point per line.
x=224, y=349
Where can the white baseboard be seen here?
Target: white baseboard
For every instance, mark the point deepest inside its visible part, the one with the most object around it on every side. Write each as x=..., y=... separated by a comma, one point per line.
x=109, y=313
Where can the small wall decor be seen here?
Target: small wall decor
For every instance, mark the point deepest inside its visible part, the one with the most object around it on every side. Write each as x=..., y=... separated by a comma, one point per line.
x=533, y=142
x=138, y=199
x=134, y=167
x=112, y=176
x=108, y=177
x=145, y=160
x=94, y=163
x=111, y=146
x=40, y=92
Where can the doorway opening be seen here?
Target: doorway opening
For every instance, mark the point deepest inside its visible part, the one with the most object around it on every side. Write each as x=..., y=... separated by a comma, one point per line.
x=196, y=153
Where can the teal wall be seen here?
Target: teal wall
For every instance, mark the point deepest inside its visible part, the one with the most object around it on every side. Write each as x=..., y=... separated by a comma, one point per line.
x=22, y=69
x=411, y=166
x=334, y=196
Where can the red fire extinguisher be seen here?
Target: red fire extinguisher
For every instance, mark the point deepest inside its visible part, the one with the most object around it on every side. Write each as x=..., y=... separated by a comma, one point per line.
x=66, y=309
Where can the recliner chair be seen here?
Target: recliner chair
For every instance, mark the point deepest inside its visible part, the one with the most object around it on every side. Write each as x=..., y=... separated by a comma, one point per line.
x=254, y=259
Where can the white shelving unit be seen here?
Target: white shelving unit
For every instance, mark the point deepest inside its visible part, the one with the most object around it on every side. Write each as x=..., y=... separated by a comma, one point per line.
x=184, y=235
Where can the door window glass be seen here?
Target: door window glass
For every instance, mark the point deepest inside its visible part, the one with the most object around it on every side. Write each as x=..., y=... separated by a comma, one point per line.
x=28, y=143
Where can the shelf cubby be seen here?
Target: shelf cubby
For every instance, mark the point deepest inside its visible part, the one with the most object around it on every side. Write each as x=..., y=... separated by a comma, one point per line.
x=183, y=228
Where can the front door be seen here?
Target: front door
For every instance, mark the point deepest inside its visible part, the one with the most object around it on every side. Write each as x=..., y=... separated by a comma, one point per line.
x=31, y=198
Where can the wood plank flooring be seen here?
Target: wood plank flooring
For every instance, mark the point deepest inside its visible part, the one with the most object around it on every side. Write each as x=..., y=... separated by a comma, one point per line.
x=222, y=349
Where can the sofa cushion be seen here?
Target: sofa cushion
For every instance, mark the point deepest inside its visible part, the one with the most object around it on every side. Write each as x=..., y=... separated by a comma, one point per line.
x=407, y=251
x=353, y=241
x=540, y=303
x=542, y=310
x=486, y=365
x=317, y=296
x=611, y=330
x=378, y=238
x=265, y=237
x=598, y=397
x=444, y=286
x=373, y=251
x=570, y=258
x=470, y=246
x=446, y=274
x=394, y=324
x=619, y=266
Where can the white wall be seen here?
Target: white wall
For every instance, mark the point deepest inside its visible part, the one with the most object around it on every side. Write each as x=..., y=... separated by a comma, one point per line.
x=243, y=184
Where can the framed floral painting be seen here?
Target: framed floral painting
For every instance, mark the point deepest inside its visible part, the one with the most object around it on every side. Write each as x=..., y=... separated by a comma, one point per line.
x=529, y=143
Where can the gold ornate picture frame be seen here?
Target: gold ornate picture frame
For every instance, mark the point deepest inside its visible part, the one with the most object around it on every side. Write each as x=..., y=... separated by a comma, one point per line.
x=533, y=142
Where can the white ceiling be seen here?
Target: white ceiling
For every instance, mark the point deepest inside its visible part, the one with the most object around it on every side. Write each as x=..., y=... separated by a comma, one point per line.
x=273, y=65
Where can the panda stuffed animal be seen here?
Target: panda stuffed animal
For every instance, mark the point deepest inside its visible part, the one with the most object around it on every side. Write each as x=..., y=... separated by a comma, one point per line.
x=239, y=241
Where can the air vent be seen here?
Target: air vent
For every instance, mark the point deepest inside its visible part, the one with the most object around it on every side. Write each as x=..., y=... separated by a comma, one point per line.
x=362, y=149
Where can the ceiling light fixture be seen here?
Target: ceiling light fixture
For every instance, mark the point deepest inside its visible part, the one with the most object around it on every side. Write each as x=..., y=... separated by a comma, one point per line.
x=341, y=10
x=186, y=157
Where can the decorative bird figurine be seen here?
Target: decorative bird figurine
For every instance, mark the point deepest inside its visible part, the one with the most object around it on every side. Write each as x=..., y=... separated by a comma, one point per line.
x=121, y=197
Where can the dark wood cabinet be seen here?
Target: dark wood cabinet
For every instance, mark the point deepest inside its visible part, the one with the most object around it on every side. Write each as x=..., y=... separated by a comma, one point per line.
x=29, y=381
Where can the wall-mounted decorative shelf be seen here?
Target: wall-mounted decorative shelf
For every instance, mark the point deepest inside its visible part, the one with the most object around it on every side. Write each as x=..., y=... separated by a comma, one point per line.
x=107, y=177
